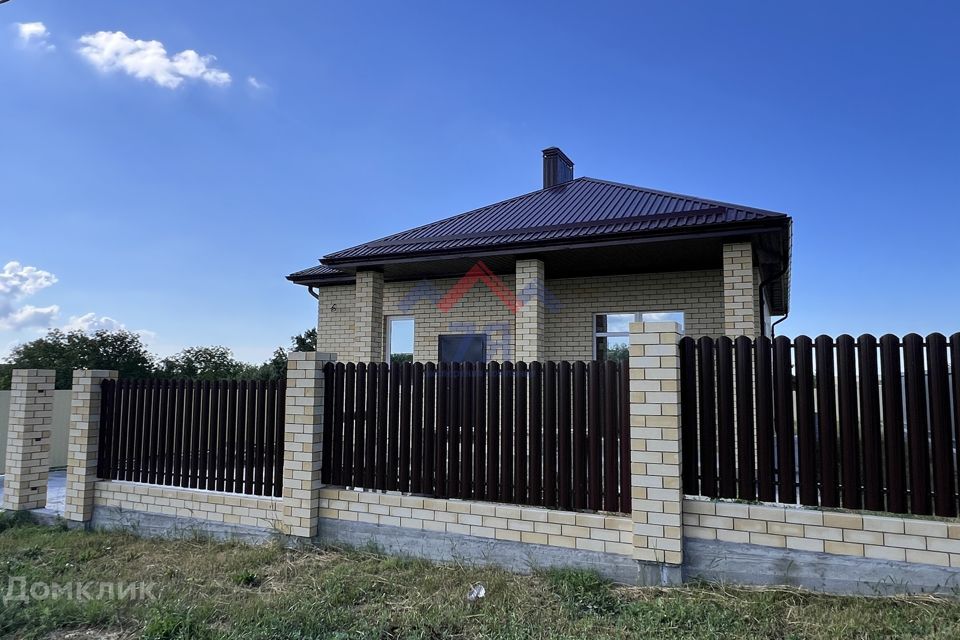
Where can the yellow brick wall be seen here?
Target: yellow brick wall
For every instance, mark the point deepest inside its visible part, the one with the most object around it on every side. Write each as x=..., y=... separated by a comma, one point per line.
x=337, y=320
x=568, y=313
x=849, y=534
x=228, y=508
x=592, y=532
x=570, y=327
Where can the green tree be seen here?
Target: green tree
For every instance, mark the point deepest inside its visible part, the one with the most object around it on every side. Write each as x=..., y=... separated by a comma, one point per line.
x=306, y=341
x=64, y=352
x=203, y=363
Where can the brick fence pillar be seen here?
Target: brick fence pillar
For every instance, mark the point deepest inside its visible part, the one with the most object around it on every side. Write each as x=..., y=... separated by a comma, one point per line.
x=303, y=442
x=28, y=439
x=83, y=443
x=368, y=330
x=529, y=324
x=655, y=451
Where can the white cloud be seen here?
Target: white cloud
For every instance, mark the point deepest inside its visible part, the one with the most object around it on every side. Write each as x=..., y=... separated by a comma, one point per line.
x=29, y=316
x=18, y=282
x=34, y=34
x=90, y=322
x=256, y=84
x=148, y=60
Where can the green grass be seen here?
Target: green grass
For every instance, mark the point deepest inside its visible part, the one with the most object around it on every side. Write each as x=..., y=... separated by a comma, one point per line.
x=208, y=590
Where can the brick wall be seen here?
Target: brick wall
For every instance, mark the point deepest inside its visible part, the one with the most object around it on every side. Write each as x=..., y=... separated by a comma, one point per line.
x=228, y=508
x=841, y=533
x=568, y=314
x=569, y=317
x=337, y=320
x=479, y=311
x=592, y=532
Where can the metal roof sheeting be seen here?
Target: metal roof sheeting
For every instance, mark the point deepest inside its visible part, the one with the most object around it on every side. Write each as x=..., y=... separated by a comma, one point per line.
x=581, y=210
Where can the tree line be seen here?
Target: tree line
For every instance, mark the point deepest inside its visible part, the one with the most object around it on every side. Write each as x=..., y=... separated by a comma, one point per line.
x=125, y=352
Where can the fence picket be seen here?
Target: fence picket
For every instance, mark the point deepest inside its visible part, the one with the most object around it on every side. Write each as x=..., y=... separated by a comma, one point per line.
x=870, y=427
x=506, y=431
x=827, y=421
x=564, y=457
x=746, y=464
x=626, y=491
x=783, y=415
x=550, y=435
x=370, y=437
x=430, y=426
x=688, y=415
x=938, y=386
x=917, y=433
x=611, y=427
x=416, y=430
x=493, y=433
x=726, y=435
x=455, y=393
x=406, y=391
x=359, y=426
x=806, y=421
x=349, y=422
x=594, y=438
x=466, y=432
x=579, y=450
x=708, y=417
x=479, y=432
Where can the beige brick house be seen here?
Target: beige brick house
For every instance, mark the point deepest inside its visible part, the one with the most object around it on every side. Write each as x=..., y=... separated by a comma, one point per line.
x=556, y=274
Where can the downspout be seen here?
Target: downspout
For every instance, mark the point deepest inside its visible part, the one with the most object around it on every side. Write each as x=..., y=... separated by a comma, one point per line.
x=763, y=285
x=312, y=291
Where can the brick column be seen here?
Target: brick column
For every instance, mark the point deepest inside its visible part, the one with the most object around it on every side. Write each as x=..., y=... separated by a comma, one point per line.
x=369, y=326
x=28, y=439
x=529, y=324
x=83, y=443
x=740, y=294
x=655, y=451
x=303, y=442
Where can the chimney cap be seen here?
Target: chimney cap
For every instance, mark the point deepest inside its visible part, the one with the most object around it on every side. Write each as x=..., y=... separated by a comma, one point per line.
x=557, y=151
x=557, y=167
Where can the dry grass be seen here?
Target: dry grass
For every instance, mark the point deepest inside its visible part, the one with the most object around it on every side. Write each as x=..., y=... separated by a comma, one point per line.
x=213, y=590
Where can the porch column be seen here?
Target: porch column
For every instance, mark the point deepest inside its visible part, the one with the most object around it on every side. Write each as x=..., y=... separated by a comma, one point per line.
x=529, y=324
x=83, y=442
x=655, y=451
x=740, y=294
x=28, y=439
x=303, y=442
x=369, y=325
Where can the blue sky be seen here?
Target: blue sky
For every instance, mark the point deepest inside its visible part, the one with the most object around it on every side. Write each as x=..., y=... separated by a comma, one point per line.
x=169, y=198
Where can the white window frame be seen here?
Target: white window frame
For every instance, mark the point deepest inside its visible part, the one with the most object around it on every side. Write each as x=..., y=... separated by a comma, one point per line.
x=637, y=317
x=609, y=334
x=388, y=322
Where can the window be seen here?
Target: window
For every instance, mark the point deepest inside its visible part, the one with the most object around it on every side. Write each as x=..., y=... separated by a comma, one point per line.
x=399, y=346
x=611, y=331
x=463, y=347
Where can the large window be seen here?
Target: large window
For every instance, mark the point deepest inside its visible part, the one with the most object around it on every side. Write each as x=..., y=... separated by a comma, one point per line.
x=399, y=347
x=611, y=331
